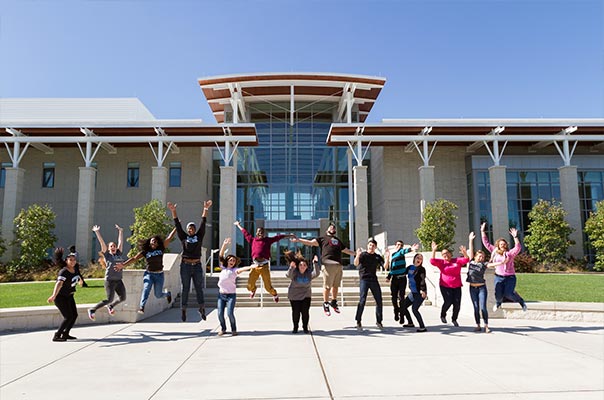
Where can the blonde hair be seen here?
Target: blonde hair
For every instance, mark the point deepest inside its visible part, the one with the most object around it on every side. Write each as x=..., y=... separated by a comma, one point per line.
x=499, y=251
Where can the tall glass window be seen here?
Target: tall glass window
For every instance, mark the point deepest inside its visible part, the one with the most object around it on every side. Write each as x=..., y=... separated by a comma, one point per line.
x=3, y=168
x=48, y=175
x=591, y=191
x=175, y=174
x=133, y=174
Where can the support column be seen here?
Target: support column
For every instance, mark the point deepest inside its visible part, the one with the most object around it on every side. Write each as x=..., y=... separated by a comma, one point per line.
x=499, y=202
x=228, y=202
x=13, y=193
x=361, y=212
x=159, y=184
x=569, y=191
x=85, y=213
x=427, y=191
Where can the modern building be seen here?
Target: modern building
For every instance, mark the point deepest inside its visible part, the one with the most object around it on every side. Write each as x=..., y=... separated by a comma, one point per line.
x=291, y=152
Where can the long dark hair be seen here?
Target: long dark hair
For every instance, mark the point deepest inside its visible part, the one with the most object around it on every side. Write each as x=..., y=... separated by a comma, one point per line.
x=145, y=245
x=296, y=257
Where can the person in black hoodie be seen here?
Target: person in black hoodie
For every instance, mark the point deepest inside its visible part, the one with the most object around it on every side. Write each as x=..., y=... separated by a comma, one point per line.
x=418, y=292
x=62, y=294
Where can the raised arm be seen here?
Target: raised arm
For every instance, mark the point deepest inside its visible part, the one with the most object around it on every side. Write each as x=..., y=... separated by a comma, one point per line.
x=471, y=238
x=357, y=257
x=517, y=246
x=249, y=238
x=434, y=248
x=349, y=252
x=170, y=237
x=206, y=206
x=305, y=242
x=97, y=231
x=120, y=238
x=182, y=235
x=224, y=246
x=485, y=239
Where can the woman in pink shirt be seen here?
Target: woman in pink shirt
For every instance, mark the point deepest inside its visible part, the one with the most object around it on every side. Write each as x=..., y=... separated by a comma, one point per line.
x=505, y=274
x=450, y=280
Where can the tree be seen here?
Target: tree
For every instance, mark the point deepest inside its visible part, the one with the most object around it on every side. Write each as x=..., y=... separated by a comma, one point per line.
x=438, y=224
x=34, y=236
x=594, y=227
x=149, y=220
x=548, y=236
x=2, y=245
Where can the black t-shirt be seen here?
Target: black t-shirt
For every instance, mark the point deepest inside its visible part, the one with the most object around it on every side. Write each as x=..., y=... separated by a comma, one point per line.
x=154, y=260
x=476, y=272
x=368, y=264
x=191, y=245
x=69, y=279
x=331, y=249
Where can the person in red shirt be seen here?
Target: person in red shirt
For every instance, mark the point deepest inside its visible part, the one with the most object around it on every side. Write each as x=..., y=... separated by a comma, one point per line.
x=450, y=280
x=261, y=258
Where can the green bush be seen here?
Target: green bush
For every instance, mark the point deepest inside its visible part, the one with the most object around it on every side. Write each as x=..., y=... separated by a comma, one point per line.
x=594, y=227
x=548, y=236
x=149, y=220
x=438, y=224
x=34, y=236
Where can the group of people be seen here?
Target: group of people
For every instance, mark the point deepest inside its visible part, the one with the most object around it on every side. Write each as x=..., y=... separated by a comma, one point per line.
x=300, y=272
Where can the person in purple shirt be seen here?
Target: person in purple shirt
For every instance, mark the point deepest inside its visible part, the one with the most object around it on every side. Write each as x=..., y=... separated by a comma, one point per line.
x=261, y=258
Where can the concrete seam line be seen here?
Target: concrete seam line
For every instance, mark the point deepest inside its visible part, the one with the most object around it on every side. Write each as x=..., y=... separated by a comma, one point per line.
x=322, y=366
x=66, y=355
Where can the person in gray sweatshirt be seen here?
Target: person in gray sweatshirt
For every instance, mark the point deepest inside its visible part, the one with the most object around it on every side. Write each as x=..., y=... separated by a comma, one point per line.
x=299, y=291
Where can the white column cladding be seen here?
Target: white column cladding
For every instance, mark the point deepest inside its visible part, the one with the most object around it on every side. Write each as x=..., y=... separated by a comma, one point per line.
x=228, y=201
x=569, y=192
x=85, y=213
x=159, y=184
x=499, y=202
x=13, y=194
x=361, y=212
x=427, y=191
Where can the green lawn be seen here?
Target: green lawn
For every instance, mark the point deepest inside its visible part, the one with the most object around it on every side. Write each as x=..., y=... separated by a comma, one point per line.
x=561, y=287
x=36, y=293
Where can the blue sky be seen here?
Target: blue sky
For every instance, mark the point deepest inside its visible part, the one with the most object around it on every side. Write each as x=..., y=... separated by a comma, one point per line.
x=441, y=59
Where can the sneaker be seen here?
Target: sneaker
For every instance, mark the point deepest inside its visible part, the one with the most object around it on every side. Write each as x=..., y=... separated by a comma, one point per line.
x=359, y=326
x=455, y=324
x=409, y=326
x=276, y=298
x=443, y=320
x=110, y=309
x=141, y=310
x=477, y=329
x=221, y=333
x=496, y=307
x=169, y=296
x=524, y=307
x=334, y=305
x=295, y=330
x=202, y=313
x=234, y=333
x=252, y=294
x=379, y=325
x=306, y=330
x=68, y=337
x=396, y=316
x=487, y=330
x=421, y=330
x=58, y=338
x=91, y=314
x=326, y=309
x=183, y=314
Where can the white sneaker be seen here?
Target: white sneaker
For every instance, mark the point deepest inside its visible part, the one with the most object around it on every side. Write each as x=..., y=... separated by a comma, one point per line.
x=496, y=307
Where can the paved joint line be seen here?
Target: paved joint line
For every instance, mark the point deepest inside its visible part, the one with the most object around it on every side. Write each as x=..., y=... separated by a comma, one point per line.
x=322, y=366
x=181, y=365
x=63, y=357
x=528, y=335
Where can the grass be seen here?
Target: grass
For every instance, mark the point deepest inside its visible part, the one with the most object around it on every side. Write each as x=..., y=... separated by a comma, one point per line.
x=561, y=287
x=31, y=294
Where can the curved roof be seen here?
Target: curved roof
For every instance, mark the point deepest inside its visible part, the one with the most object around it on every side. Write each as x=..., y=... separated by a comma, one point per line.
x=262, y=87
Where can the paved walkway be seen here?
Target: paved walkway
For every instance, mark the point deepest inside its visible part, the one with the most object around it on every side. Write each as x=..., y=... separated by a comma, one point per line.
x=163, y=358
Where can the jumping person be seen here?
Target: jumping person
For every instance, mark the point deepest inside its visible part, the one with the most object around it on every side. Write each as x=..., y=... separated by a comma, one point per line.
x=72, y=249
x=190, y=265
x=505, y=274
x=112, y=255
x=417, y=293
x=261, y=258
x=299, y=291
x=62, y=294
x=450, y=280
x=397, y=276
x=368, y=263
x=152, y=250
x=331, y=265
x=227, y=288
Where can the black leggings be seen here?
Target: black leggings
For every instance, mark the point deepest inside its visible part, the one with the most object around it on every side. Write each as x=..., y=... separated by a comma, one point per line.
x=397, y=290
x=69, y=311
x=300, y=307
x=451, y=297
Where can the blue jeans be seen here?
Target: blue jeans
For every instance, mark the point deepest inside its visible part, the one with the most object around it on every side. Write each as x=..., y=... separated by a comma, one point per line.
x=152, y=280
x=414, y=300
x=227, y=300
x=188, y=271
x=376, y=291
x=505, y=288
x=479, y=301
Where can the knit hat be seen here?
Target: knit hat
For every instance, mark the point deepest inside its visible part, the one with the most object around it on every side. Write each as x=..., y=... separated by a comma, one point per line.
x=191, y=224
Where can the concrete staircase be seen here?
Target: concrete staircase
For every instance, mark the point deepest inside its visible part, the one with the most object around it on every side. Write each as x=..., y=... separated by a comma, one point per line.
x=350, y=290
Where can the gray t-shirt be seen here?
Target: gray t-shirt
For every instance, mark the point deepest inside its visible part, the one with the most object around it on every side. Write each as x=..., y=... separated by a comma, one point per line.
x=301, y=285
x=111, y=259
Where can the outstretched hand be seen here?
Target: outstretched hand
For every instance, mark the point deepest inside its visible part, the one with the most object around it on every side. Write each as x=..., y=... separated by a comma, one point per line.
x=434, y=246
x=471, y=236
x=514, y=232
x=96, y=228
x=483, y=226
x=415, y=246
x=207, y=204
x=119, y=228
x=172, y=206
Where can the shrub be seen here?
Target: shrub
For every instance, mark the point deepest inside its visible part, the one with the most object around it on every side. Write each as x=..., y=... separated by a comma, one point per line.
x=548, y=232
x=34, y=237
x=523, y=262
x=149, y=220
x=594, y=227
x=438, y=224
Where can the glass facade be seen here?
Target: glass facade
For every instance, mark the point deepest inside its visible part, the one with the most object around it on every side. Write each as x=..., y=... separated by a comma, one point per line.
x=591, y=191
x=291, y=179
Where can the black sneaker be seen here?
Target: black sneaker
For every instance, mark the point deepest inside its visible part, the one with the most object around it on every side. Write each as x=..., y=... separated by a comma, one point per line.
x=306, y=330
x=58, y=338
x=359, y=326
x=421, y=330
x=334, y=305
x=183, y=314
x=379, y=325
x=295, y=330
x=68, y=337
x=455, y=324
x=443, y=320
x=169, y=296
x=91, y=314
x=326, y=309
x=202, y=312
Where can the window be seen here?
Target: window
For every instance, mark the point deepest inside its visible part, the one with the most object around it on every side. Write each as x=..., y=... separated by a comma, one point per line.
x=175, y=174
x=3, y=173
x=133, y=174
x=48, y=175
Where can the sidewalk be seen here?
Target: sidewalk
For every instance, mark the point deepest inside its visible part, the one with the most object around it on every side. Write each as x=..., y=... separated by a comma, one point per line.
x=164, y=358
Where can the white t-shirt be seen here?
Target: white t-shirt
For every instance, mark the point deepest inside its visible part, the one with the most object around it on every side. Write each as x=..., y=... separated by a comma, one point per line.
x=227, y=280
